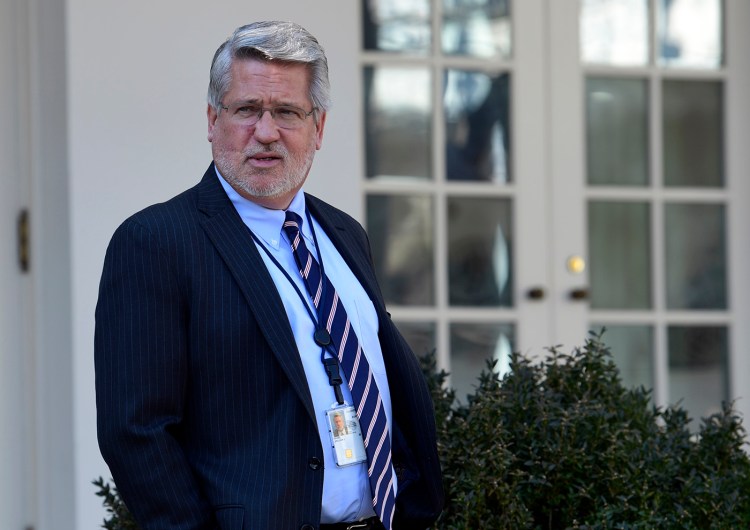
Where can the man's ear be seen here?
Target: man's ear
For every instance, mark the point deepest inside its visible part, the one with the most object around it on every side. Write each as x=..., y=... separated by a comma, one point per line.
x=211, y=115
x=320, y=125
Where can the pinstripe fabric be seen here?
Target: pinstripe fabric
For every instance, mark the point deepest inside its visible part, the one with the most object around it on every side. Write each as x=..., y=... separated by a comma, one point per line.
x=203, y=410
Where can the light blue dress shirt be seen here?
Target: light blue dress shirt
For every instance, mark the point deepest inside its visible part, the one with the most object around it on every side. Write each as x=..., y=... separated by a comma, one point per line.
x=346, y=490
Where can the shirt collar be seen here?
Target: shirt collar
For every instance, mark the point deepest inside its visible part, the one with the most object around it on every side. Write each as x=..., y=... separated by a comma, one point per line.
x=265, y=222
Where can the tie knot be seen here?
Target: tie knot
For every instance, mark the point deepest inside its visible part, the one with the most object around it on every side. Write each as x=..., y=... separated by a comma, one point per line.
x=292, y=222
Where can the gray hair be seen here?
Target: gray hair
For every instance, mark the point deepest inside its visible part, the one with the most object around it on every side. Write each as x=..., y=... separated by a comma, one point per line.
x=271, y=41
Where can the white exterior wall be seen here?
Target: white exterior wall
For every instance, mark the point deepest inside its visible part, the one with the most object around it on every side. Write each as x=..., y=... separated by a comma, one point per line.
x=137, y=75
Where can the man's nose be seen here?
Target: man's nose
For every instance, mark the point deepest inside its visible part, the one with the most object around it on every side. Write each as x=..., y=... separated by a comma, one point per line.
x=266, y=130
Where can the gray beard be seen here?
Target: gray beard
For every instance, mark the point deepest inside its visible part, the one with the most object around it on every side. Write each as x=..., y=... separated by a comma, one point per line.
x=290, y=180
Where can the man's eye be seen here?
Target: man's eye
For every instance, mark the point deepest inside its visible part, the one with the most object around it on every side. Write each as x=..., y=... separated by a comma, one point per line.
x=247, y=110
x=288, y=112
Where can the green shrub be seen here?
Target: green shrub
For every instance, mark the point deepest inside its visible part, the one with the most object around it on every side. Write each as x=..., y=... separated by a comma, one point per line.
x=562, y=444
x=119, y=518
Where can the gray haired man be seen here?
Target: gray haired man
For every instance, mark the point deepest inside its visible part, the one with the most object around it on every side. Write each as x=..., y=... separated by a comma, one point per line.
x=236, y=319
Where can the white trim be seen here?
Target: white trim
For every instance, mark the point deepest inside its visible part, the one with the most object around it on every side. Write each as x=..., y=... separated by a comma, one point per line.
x=737, y=126
x=51, y=248
x=17, y=488
x=532, y=176
x=567, y=163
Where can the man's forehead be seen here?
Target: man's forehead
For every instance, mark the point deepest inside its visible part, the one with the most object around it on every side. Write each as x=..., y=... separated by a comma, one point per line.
x=251, y=66
x=254, y=79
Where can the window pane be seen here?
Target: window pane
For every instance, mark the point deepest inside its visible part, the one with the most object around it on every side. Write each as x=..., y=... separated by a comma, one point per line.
x=693, y=129
x=398, y=122
x=632, y=350
x=690, y=33
x=614, y=32
x=696, y=256
x=617, y=131
x=620, y=254
x=401, y=235
x=477, y=27
x=477, y=126
x=698, y=371
x=419, y=335
x=471, y=346
x=480, y=252
x=397, y=25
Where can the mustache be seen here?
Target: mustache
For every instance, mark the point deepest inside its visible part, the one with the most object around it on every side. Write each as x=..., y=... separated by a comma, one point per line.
x=267, y=149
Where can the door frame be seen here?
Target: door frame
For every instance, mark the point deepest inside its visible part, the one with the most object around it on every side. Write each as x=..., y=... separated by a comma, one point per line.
x=17, y=451
x=43, y=485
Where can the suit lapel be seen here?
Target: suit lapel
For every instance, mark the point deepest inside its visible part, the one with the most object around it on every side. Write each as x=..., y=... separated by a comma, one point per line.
x=232, y=240
x=348, y=244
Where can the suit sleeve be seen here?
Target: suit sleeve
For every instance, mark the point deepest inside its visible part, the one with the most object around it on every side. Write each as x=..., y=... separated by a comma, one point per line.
x=141, y=372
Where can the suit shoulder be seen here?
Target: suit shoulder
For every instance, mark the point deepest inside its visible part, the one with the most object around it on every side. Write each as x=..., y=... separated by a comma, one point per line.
x=175, y=210
x=166, y=223
x=162, y=211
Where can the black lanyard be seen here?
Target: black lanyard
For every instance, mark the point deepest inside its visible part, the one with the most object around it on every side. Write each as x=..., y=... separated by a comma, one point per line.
x=321, y=336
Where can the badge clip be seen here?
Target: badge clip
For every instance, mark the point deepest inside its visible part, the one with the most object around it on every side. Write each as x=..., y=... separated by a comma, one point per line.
x=334, y=377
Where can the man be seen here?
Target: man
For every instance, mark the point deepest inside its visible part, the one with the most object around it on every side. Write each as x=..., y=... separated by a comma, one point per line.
x=218, y=364
x=339, y=428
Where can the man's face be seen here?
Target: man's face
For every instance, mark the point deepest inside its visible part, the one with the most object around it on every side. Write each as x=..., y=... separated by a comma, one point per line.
x=263, y=162
x=339, y=422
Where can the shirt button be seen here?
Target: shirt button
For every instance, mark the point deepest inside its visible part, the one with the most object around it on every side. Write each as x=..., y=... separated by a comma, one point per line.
x=307, y=527
x=314, y=463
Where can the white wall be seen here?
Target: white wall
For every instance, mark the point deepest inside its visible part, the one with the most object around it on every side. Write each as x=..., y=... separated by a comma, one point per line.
x=136, y=78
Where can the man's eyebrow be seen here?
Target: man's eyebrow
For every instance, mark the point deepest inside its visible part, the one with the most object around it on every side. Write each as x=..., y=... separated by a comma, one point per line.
x=251, y=101
x=259, y=103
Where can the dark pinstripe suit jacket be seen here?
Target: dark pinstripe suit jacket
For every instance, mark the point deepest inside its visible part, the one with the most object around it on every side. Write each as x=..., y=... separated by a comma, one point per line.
x=203, y=409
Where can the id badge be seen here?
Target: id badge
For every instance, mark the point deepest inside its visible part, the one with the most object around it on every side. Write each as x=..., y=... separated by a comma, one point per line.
x=346, y=436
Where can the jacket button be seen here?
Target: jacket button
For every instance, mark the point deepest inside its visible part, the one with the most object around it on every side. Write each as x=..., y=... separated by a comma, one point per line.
x=314, y=464
x=307, y=527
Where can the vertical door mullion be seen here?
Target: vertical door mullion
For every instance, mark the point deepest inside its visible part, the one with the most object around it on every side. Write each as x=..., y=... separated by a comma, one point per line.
x=442, y=328
x=531, y=176
x=737, y=124
x=658, y=272
x=567, y=170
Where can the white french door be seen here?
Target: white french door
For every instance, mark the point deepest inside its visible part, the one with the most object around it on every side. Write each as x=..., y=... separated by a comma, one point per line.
x=538, y=168
x=455, y=175
x=647, y=143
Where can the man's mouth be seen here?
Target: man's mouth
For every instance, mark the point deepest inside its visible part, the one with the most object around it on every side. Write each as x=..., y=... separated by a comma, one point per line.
x=265, y=159
x=262, y=160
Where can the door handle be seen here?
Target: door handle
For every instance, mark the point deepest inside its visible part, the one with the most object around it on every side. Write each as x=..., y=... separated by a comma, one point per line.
x=536, y=293
x=581, y=293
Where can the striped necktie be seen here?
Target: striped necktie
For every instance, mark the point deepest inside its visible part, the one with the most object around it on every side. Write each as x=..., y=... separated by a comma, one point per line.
x=356, y=369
